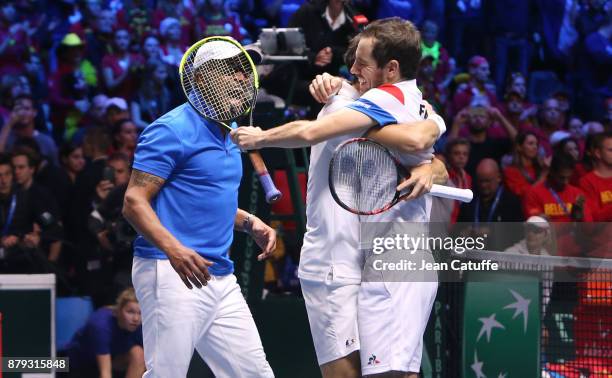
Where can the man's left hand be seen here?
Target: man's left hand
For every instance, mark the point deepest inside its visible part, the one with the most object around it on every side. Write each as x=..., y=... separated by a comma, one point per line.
x=247, y=137
x=420, y=180
x=264, y=236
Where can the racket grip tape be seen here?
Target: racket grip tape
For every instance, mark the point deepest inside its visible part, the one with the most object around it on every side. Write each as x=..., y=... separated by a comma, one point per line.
x=272, y=193
x=463, y=195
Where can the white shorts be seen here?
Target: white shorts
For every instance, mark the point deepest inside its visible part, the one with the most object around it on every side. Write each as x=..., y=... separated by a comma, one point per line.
x=392, y=319
x=332, y=314
x=215, y=320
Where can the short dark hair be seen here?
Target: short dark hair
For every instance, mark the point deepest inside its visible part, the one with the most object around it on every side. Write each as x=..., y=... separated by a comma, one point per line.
x=31, y=155
x=349, y=55
x=119, y=156
x=5, y=159
x=599, y=139
x=561, y=161
x=21, y=97
x=97, y=137
x=397, y=39
x=455, y=142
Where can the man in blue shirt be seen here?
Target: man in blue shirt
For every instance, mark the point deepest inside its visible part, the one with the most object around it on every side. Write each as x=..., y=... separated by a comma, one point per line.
x=183, y=201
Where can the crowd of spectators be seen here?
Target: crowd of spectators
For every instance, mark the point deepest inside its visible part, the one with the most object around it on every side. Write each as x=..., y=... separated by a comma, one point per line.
x=80, y=78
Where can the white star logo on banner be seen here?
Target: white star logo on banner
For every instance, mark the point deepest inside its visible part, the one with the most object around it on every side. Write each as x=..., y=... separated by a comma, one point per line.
x=477, y=367
x=487, y=326
x=521, y=306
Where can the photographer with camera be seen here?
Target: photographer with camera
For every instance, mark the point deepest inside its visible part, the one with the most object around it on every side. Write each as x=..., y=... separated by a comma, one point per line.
x=110, y=236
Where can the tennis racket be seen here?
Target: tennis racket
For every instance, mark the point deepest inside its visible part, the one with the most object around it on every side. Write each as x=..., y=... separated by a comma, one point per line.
x=364, y=175
x=220, y=82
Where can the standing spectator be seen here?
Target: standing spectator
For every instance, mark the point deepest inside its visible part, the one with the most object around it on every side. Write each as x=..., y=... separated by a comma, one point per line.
x=99, y=39
x=435, y=93
x=465, y=29
x=457, y=156
x=72, y=163
x=25, y=162
x=493, y=203
x=124, y=136
x=327, y=31
x=509, y=22
x=110, y=342
x=172, y=46
x=155, y=97
x=597, y=83
x=597, y=186
x=478, y=121
x=21, y=125
x=526, y=169
x=477, y=91
x=120, y=69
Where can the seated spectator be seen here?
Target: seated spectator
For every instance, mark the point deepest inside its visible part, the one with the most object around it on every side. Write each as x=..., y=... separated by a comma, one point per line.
x=21, y=248
x=25, y=162
x=21, y=125
x=179, y=11
x=124, y=134
x=116, y=110
x=478, y=91
x=155, y=97
x=213, y=20
x=121, y=68
x=151, y=49
x=434, y=93
x=172, y=47
x=537, y=238
x=457, y=155
x=559, y=201
x=493, y=203
x=110, y=342
x=597, y=186
x=527, y=169
x=518, y=110
x=550, y=119
x=478, y=121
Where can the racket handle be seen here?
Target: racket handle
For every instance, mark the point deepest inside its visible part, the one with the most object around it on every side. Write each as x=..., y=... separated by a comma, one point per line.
x=272, y=194
x=463, y=195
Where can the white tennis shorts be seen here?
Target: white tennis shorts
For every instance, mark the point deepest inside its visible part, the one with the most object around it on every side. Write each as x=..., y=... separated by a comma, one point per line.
x=215, y=320
x=332, y=314
x=392, y=319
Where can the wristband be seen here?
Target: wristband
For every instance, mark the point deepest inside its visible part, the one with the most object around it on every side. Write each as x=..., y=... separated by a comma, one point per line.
x=439, y=122
x=247, y=224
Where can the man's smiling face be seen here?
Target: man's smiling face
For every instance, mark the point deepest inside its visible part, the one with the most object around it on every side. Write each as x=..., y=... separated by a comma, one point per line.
x=365, y=68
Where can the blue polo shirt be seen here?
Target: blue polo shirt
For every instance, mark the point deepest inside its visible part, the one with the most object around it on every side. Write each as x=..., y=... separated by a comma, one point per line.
x=202, y=169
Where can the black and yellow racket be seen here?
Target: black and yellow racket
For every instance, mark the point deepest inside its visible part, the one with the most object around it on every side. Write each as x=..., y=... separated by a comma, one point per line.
x=220, y=81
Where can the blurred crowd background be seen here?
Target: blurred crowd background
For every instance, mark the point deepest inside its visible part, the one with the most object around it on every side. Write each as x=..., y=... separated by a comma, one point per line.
x=524, y=86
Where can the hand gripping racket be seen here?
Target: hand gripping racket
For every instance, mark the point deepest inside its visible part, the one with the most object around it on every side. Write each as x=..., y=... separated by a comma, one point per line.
x=364, y=175
x=220, y=82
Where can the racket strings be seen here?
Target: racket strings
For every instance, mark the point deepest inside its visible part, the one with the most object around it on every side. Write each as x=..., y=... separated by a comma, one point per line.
x=364, y=176
x=221, y=89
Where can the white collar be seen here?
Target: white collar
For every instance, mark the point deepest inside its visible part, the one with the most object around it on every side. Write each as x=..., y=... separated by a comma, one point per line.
x=340, y=20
